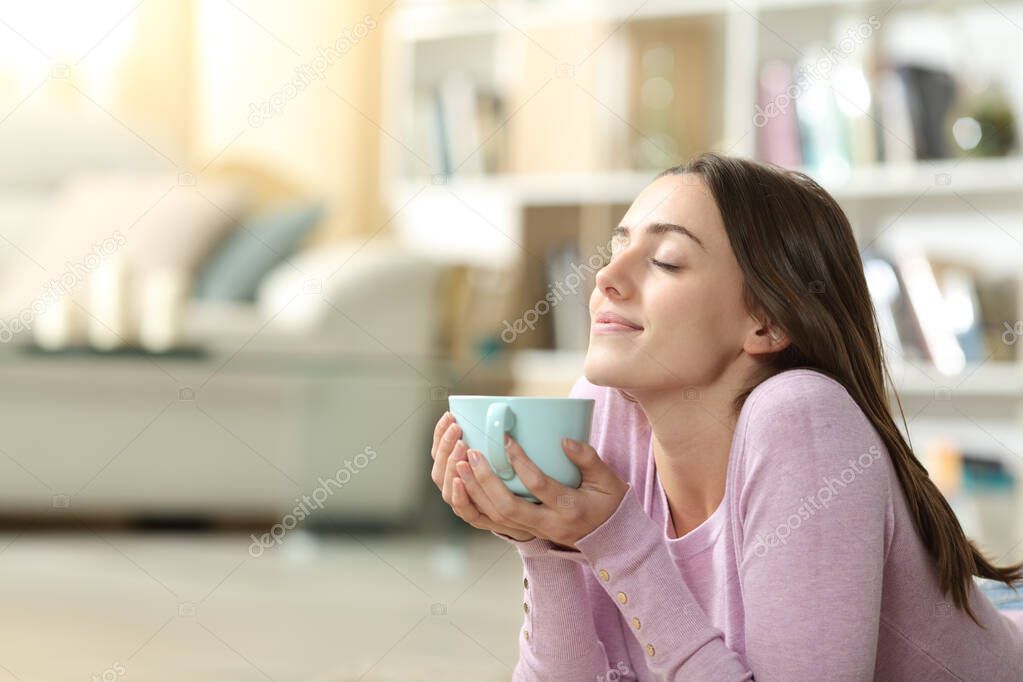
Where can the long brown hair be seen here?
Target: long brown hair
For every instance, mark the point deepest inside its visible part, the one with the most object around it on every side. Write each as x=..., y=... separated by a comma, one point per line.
x=803, y=274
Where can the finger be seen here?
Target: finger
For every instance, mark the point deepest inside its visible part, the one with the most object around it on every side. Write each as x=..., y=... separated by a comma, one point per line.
x=438, y=431
x=457, y=455
x=440, y=462
x=437, y=472
x=586, y=458
x=508, y=508
x=465, y=509
x=463, y=505
x=544, y=488
x=478, y=496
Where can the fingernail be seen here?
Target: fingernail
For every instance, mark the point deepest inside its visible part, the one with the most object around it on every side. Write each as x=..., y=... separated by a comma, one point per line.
x=570, y=445
x=473, y=458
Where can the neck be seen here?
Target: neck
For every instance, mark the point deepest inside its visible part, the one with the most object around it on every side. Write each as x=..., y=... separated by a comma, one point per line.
x=691, y=434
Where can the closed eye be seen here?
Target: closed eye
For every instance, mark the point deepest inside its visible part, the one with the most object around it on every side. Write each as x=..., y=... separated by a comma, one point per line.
x=667, y=266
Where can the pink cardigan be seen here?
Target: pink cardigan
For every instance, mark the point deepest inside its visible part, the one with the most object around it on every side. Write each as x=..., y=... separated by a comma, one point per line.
x=810, y=568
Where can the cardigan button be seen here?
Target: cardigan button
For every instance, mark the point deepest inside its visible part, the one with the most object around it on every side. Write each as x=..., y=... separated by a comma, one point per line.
x=525, y=582
x=525, y=607
x=622, y=598
x=635, y=622
x=525, y=633
x=604, y=575
x=650, y=649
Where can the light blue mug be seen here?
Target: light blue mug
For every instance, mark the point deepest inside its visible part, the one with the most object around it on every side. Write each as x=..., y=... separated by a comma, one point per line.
x=537, y=424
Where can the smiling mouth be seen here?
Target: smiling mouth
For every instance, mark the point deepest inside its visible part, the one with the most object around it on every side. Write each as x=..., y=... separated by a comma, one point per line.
x=613, y=328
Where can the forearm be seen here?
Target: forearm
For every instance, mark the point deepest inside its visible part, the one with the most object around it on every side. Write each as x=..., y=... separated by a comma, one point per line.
x=558, y=639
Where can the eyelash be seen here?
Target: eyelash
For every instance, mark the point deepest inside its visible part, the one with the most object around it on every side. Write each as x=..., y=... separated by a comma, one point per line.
x=666, y=266
x=661, y=264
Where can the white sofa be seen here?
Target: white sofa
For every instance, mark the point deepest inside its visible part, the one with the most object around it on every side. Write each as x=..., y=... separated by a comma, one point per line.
x=331, y=364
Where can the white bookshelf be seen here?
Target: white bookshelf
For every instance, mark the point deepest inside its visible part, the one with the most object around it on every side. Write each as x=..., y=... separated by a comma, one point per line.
x=973, y=177
x=996, y=380
x=432, y=20
x=482, y=219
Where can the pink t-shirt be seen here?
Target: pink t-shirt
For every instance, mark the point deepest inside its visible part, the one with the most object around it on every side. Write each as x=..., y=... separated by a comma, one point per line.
x=810, y=568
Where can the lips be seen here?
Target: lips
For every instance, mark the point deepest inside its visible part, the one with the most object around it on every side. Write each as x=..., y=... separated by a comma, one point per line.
x=609, y=321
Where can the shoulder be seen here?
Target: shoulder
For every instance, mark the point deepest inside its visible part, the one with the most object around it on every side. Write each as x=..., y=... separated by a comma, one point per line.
x=802, y=394
x=807, y=415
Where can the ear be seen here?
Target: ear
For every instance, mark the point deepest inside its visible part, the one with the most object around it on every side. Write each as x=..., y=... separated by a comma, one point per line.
x=765, y=338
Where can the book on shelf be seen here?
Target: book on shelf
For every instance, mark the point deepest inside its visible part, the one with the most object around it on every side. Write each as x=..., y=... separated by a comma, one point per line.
x=897, y=139
x=939, y=311
x=857, y=108
x=457, y=100
x=428, y=137
x=825, y=146
x=979, y=486
x=857, y=114
x=460, y=124
x=778, y=141
x=886, y=294
x=959, y=289
x=998, y=298
x=490, y=122
x=930, y=94
x=929, y=311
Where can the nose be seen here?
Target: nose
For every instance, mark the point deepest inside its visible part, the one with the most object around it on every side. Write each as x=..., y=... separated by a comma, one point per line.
x=612, y=279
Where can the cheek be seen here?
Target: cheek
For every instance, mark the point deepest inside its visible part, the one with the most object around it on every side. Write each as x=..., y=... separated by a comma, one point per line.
x=705, y=315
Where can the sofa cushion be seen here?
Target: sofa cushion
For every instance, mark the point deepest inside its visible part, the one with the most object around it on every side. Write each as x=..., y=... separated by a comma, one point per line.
x=371, y=294
x=254, y=248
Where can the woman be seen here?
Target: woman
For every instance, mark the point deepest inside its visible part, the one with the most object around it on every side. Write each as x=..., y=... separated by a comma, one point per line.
x=753, y=511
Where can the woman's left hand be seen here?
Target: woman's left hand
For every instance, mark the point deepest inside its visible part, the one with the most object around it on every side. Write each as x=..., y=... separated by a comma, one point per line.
x=565, y=514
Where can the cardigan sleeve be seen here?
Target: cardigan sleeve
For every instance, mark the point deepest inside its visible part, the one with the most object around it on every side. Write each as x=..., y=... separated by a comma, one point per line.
x=811, y=600
x=570, y=629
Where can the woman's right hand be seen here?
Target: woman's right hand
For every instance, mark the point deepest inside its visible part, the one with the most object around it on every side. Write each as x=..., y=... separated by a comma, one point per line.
x=447, y=451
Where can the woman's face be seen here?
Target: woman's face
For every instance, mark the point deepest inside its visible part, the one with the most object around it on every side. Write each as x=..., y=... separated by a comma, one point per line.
x=674, y=277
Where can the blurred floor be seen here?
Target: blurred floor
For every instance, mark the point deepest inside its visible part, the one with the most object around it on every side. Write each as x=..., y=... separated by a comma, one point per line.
x=162, y=607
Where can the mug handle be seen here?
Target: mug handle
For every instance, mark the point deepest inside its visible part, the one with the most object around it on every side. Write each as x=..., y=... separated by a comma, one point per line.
x=500, y=419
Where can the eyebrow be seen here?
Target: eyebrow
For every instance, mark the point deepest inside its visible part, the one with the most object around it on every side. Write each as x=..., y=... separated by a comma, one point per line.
x=660, y=228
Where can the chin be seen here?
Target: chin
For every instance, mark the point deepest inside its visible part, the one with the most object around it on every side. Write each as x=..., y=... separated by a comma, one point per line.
x=600, y=369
